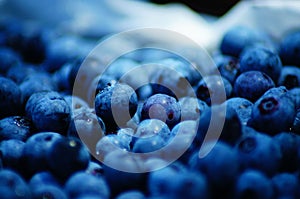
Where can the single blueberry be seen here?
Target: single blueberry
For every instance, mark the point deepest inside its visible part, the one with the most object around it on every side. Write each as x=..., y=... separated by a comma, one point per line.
x=289, y=49
x=228, y=66
x=43, y=178
x=67, y=156
x=252, y=85
x=36, y=147
x=295, y=93
x=261, y=59
x=48, y=191
x=237, y=38
x=14, y=184
x=11, y=153
x=115, y=105
x=18, y=73
x=253, y=184
x=132, y=194
x=15, y=127
x=9, y=58
x=162, y=107
x=213, y=87
x=285, y=185
x=10, y=98
x=49, y=112
x=259, y=151
x=288, y=143
x=242, y=106
x=82, y=183
x=272, y=114
x=220, y=166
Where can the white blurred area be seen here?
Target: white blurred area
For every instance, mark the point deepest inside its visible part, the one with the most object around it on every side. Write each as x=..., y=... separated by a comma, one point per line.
x=98, y=17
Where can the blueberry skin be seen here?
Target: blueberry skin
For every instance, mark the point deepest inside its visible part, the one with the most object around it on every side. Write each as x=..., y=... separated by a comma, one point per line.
x=191, y=108
x=67, y=156
x=34, y=153
x=242, y=106
x=48, y=191
x=285, y=185
x=162, y=107
x=120, y=67
x=288, y=143
x=81, y=183
x=259, y=151
x=9, y=58
x=148, y=144
x=118, y=97
x=11, y=154
x=210, y=85
x=273, y=114
x=296, y=124
x=43, y=178
x=220, y=166
x=289, y=49
x=231, y=131
x=15, y=127
x=10, y=98
x=295, y=93
x=152, y=127
x=261, y=59
x=252, y=85
x=253, y=184
x=131, y=194
x=13, y=185
x=237, y=38
x=18, y=77
x=228, y=66
x=290, y=77
x=49, y=112
x=188, y=184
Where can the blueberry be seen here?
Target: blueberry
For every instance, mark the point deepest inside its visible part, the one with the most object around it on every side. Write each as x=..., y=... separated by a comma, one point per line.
x=81, y=183
x=10, y=98
x=253, y=184
x=191, y=108
x=49, y=112
x=285, y=185
x=289, y=77
x=85, y=126
x=11, y=153
x=117, y=99
x=242, y=106
x=259, y=151
x=252, y=84
x=133, y=194
x=238, y=38
x=296, y=124
x=67, y=156
x=8, y=59
x=43, y=178
x=152, y=127
x=289, y=49
x=61, y=77
x=48, y=191
x=261, y=59
x=148, y=144
x=231, y=130
x=220, y=166
x=94, y=169
x=18, y=73
x=272, y=114
x=229, y=67
x=13, y=185
x=35, y=150
x=120, y=67
x=162, y=107
x=15, y=127
x=288, y=143
x=129, y=170
x=211, y=87
x=187, y=184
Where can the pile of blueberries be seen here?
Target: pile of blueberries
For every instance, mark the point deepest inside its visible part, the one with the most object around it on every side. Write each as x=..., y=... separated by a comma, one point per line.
x=54, y=144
